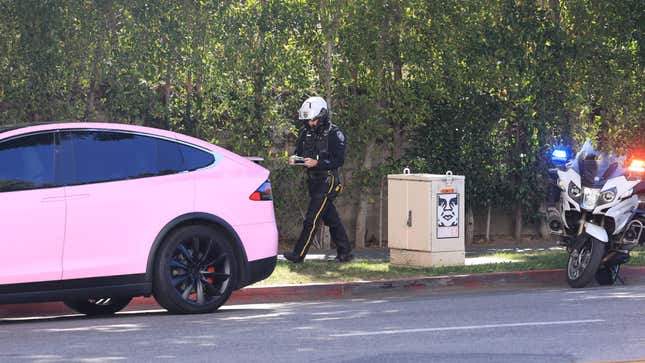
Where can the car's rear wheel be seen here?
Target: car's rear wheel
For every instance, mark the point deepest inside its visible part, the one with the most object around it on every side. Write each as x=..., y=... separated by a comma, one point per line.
x=100, y=306
x=195, y=270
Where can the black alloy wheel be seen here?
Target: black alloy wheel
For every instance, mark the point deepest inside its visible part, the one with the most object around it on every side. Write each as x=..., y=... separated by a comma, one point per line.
x=195, y=271
x=98, y=306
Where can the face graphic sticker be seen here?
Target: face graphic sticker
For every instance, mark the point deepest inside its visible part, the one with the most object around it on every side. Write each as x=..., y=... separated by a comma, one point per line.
x=447, y=210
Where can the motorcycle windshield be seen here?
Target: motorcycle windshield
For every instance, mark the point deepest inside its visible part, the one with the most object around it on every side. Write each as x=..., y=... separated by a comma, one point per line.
x=595, y=167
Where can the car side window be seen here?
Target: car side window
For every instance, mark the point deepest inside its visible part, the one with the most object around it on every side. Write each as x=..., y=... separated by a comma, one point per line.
x=102, y=156
x=169, y=156
x=27, y=162
x=195, y=158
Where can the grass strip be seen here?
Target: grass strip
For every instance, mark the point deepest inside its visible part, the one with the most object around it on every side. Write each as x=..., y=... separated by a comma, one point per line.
x=313, y=271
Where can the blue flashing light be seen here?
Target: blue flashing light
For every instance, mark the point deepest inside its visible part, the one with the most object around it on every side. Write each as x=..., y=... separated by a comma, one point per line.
x=560, y=155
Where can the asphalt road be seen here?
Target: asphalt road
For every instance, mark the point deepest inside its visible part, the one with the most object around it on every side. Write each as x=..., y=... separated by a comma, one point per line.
x=557, y=325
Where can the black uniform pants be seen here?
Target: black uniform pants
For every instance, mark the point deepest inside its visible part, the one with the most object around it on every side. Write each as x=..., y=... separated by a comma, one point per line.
x=322, y=192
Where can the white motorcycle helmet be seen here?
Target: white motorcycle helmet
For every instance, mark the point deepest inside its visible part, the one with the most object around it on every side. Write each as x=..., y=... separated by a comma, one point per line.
x=312, y=108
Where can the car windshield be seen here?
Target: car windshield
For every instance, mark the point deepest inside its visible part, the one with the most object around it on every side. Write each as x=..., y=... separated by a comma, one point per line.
x=596, y=167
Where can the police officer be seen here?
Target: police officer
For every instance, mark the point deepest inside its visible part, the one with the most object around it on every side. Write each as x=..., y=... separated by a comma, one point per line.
x=322, y=144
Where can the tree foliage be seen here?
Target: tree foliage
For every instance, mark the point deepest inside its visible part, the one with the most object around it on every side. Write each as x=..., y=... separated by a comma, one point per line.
x=482, y=88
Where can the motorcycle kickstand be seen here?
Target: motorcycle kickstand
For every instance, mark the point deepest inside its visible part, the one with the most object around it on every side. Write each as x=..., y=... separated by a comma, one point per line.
x=622, y=282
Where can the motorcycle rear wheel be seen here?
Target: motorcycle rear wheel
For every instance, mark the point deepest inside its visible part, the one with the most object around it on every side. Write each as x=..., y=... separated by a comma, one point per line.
x=606, y=276
x=584, y=262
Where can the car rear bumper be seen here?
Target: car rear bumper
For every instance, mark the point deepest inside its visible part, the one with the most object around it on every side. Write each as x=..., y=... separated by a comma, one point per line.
x=259, y=270
x=260, y=240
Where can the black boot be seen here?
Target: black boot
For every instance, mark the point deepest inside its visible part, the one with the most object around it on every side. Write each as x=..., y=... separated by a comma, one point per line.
x=290, y=256
x=344, y=257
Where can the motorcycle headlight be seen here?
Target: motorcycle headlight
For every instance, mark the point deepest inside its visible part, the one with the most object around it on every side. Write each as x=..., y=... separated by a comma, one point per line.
x=608, y=196
x=574, y=192
x=590, y=198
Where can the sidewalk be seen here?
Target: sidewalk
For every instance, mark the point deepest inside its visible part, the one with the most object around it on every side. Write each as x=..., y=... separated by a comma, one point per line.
x=475, y=256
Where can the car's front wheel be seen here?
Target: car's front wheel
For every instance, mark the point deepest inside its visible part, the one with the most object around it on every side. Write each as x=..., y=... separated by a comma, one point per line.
x=100, y=306
x=195, y=270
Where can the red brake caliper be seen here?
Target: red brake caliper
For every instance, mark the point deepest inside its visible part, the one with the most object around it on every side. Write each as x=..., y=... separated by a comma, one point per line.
x=210, y=279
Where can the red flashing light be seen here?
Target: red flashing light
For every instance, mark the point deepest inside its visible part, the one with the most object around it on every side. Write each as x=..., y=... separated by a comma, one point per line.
x=637, y=165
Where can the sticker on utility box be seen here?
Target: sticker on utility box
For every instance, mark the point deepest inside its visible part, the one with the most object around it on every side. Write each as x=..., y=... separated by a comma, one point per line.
x=448, y=215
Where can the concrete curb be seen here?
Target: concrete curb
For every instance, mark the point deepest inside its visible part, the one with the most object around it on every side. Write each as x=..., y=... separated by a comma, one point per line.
x=288, y=293
x=493, y=280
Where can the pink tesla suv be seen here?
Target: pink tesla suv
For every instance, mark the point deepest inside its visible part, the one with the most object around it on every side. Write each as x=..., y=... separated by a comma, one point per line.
x=94, y=214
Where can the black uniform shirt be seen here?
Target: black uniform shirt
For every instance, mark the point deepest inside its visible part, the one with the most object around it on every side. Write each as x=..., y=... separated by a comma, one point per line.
x=326, y=144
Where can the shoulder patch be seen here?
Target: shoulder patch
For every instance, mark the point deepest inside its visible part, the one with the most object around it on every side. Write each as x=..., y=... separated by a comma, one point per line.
x=340, y=136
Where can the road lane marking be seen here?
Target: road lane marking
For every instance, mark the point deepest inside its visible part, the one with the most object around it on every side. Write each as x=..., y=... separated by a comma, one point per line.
x=329, y=319
x=467, y=327
x=260, y=316
x=116, y=328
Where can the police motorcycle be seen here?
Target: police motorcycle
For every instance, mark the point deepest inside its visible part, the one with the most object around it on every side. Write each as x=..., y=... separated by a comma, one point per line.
x=600, y=214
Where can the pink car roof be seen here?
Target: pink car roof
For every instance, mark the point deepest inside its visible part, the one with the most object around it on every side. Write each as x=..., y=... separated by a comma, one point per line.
x=125, y=127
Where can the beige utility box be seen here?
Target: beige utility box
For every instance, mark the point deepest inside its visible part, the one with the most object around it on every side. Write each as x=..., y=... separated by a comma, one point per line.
x=426, y=219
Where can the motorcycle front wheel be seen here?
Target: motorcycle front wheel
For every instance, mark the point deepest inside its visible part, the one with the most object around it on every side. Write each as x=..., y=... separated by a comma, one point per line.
x=584, y=262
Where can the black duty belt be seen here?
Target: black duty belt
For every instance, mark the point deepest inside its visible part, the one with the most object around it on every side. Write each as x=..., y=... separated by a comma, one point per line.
x=320, y=173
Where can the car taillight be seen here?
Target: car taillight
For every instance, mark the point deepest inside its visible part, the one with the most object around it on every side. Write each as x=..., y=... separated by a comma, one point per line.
x=263, y=192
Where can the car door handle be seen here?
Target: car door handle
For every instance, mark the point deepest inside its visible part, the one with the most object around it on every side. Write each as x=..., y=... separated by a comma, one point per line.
x=53, y=199
x=77, y=196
